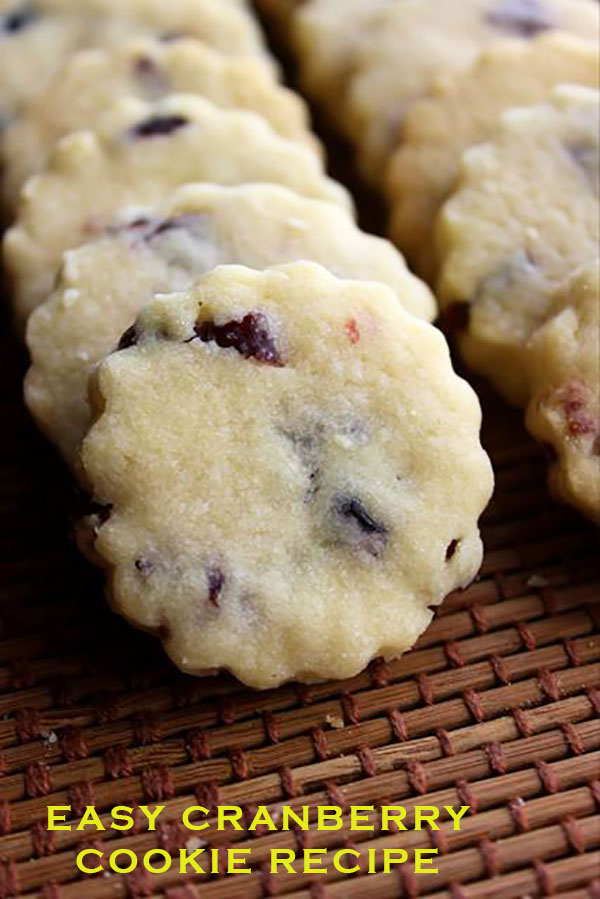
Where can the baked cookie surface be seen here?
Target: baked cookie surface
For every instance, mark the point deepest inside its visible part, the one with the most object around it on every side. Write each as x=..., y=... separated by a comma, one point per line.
x=464, y=110
x=93, y=80
x=37, y=37
x=104, y=284
x=525, y=215
x=292, y=474
x=436, y=39
x=141, y=153
x=564, y=371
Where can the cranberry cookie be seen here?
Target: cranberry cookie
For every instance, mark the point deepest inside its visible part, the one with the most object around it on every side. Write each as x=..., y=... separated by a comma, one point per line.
x=412, y=43
x=526, y=214
x=147, y=68
x=37, y=36
x=564, y=370
x=140, y=154
x=104, y=284
x=291, y=474
x=465, y=110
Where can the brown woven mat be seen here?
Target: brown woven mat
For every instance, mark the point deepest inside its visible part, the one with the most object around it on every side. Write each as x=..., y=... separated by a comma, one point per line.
x=496, y=708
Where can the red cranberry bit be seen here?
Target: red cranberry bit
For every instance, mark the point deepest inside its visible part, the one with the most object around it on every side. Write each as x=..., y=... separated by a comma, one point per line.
x=525, y=18
x=19, y=19
x=159, y=126
x=372, y=534
x=251, y=338
x=451, y=551
x=128, y=339
x=456, y=317
x=216, y=582
x=575, y=399
x=352, y=331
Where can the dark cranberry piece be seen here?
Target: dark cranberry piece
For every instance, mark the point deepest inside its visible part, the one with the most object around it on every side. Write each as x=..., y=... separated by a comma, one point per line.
x=250, y=337
x=216, y=582
x=19, y=19
x=128, y=339
x=525, y=18
x=351, y=510
x=451, y=551
x=145, y=567
x=456, y=317
x=159, y=126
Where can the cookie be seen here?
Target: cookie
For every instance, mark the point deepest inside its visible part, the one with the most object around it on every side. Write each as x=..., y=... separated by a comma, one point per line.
x=93, y=80
x=332, y=483
x=564, y=411
x=141, y=153
x=104, y=284
x=525, y=215
x=465, y=110
x=411, y=44
x=37, y=37
x=325, y=44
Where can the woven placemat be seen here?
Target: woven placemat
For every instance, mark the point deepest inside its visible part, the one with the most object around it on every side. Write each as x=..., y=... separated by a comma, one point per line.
x=496, y=708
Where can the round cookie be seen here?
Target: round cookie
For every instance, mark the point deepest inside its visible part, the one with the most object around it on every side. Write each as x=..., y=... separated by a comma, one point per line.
x=412, y=43
x=37, y=37
x=104, y=284
x=525, y=215
x=147, y=68
x=464, y=110
x=140, y=154
x=564, y=371
x=326, y=43
x=291, y=474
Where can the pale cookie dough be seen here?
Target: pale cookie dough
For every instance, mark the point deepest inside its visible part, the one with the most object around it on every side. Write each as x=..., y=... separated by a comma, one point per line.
x=465, y=110
x=142, y=152
x=413, y=43
x=326, y=39
x=94, y=79
x=37, y=36
x=564, y=412
x=104, y=284
x=290, y=473
x=525, y=215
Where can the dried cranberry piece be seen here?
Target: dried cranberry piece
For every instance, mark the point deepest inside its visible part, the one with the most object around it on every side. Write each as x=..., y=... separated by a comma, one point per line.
x=159, y=126
x=128, y=339
x=216, y=582
x=352, y=511
x=145, y=567
x=451, y=551
x=456, y=317
x=525, y=18
x=251, y=337
x=19, y=19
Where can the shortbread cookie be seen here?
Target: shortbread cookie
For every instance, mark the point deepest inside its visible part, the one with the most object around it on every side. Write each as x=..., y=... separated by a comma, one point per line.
x=326, y=40
x=149, y=69
x=291, y=473
x=104, y=284
x=465, y=110
x=564, y=412
x=412, y=43
x=143, y=151
x=37, y=37
x=525, y=216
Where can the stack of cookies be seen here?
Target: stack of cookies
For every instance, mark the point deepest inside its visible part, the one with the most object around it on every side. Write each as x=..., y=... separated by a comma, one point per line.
x=478, y=120
x=284, y=472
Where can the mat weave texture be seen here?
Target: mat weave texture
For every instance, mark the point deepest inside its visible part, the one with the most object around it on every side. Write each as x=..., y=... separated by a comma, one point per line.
x=497, y=707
